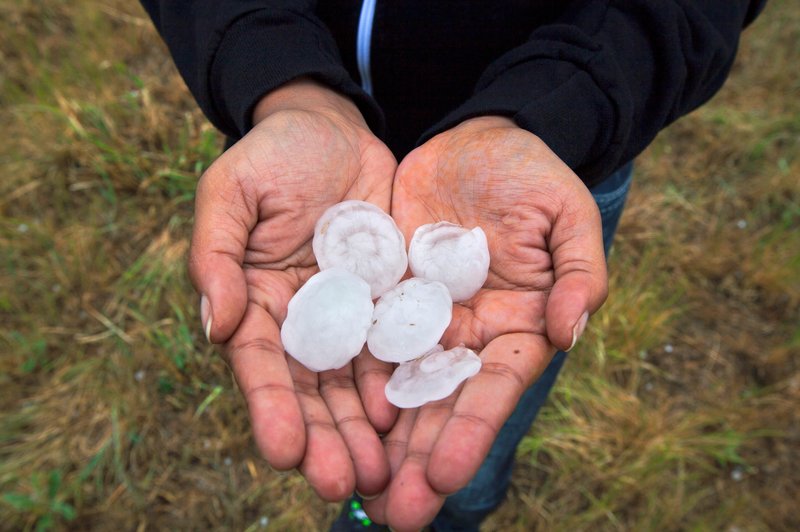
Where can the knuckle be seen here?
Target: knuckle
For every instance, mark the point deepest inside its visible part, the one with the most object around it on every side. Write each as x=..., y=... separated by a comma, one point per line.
x=306, y=389
x=505, y=372
x=336, y=382
x=394, y=442
x=347, y=420
x=235, y=349
x=268, y=388
x=478, y=422
x=418, y=455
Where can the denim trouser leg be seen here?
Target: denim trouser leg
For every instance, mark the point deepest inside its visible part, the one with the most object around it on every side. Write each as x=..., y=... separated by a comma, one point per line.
x=465, y=509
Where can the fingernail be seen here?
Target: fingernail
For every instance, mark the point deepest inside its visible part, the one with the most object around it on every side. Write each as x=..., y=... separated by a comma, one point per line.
x=577, y=331
x=371, y=497
x=205, y=316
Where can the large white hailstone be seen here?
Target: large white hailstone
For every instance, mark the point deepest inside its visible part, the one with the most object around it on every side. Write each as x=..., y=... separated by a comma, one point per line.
x=409, y=320
x=431, y=377
x=361, y=238
x=452, y=255
x=327, y=321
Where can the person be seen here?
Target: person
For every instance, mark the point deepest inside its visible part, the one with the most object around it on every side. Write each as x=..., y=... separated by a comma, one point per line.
x=518, y=117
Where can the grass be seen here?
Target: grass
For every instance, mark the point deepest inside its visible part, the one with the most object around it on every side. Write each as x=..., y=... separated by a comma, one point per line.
x=678, y=410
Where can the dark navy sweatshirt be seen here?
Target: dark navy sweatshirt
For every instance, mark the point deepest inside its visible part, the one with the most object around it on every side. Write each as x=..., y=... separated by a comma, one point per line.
x=596, y=80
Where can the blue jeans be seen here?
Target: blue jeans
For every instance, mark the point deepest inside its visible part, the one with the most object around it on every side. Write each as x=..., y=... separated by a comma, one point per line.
x=465, y=509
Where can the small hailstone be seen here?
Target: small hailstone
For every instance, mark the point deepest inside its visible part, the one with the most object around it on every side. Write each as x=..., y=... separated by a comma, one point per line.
x=264, y=521
x=741, y=224
x=668, y=348
x=362, y=239
x=327, y=320
x=451, y=254
x=409, y=320
x=431, y=377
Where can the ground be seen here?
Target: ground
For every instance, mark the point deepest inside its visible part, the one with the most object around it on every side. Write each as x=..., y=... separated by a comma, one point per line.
x=678, y=410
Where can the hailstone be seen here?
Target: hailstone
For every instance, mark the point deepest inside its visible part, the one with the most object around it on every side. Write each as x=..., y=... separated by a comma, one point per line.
x=431, y=377
x=409, y=320
x=328, y=319
x=451, y=254
x=361, y=238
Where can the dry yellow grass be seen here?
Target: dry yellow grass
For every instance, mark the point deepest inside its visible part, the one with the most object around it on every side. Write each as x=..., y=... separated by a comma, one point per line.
x=677, y=411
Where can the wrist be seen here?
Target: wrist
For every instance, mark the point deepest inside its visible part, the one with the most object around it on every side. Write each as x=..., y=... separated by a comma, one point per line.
x=489, y=122
x=307, y=94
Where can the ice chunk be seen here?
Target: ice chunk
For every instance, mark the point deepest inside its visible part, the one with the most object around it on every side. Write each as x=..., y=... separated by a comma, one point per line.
x=361, y=238
x=452, y=255
x=327, y=321
x=431, y=377
x=409, y=320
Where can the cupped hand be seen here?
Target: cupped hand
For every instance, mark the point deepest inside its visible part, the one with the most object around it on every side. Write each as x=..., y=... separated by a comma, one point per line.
x=547, y=274
x=255, y=211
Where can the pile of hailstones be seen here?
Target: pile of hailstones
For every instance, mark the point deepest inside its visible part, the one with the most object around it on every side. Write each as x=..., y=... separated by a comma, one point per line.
x=362, y=256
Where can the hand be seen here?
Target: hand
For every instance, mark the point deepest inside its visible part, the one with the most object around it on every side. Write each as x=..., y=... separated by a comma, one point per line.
x=547, y=273
x=256, y=207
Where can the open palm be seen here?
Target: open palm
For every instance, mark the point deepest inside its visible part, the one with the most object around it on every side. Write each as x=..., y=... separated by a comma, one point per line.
x=251, y=250
x=547, y=271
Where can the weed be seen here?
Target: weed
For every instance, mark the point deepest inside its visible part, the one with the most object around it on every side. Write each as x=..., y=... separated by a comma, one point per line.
x=677, y=411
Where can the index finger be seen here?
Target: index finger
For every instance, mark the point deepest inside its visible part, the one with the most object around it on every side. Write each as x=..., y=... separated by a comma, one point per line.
x=511, y=363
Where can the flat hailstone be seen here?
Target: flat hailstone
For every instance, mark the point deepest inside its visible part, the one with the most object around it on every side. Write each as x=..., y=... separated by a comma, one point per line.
x=361, y=238
x=327, y=321
x=409, y=320
x=431, y=377
x=452, y=255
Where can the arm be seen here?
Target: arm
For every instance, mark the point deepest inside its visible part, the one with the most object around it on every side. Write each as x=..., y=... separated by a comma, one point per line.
x=599, y=84
x=272, y=78
x=231, y=53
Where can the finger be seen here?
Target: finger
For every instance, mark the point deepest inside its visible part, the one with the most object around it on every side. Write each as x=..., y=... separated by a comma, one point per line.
x=412, y=502
x=510, y=364
x=223, y=219
x=258, y=362
x=338, y=390
x=327, y=465
x=371, y=376
x=395, y=443
x=581, y=280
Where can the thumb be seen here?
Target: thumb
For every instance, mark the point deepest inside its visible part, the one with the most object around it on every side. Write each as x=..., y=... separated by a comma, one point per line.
x=581, y=279
x=219, y=239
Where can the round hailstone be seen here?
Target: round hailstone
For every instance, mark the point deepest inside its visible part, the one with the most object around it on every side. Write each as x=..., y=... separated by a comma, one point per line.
x=327, y=321
x=361, y=238
x=452, y=255
x=431, y=377
x=409, y=320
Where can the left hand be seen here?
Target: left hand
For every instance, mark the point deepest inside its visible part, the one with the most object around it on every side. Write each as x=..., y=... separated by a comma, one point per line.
x=547, y=273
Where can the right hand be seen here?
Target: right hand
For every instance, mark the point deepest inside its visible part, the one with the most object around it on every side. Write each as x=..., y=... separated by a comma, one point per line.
x=256, y=207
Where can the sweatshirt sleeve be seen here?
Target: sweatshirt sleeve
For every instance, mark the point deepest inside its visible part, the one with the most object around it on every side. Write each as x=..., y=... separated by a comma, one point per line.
x=232, y=52
x=599, y=83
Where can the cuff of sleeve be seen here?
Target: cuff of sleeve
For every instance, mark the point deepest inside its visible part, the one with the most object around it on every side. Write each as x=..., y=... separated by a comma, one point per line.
x=556, y=100
x=262, y=51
